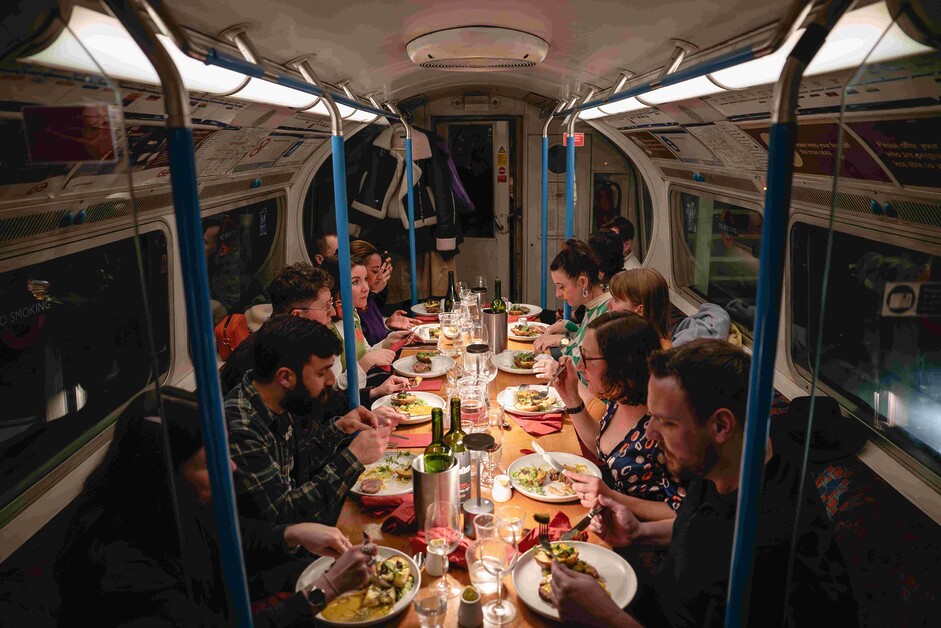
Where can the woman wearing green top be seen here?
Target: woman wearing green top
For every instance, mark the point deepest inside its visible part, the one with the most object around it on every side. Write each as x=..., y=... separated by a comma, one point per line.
x=576, y=273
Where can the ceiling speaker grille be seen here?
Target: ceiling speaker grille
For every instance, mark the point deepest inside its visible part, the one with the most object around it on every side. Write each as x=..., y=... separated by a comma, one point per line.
x=477, y=65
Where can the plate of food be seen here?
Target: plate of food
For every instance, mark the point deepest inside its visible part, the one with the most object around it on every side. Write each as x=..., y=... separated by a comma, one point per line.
x=532, y=575
x=393, y=582
x=424, y=364
x=523, y=309
x=528, y=403
x=428, y=307
x=417, y=405
x=518, y=362
x=525, y=332
x=533, y=477
x=390, y=475
x=428, y=333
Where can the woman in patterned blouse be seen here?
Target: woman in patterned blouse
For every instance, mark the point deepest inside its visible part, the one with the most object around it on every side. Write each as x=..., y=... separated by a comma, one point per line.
x=614, y=365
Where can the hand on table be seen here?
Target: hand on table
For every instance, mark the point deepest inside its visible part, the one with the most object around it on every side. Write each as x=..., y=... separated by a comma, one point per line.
x=377, y=357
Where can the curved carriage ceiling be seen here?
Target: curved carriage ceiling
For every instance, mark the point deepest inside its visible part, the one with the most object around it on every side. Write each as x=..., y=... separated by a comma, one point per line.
x=589, y=40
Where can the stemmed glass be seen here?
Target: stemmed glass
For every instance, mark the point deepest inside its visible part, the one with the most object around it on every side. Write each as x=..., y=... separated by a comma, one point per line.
x=479, y=286
x=498, y=556
x=443, y=534
x=449, y=336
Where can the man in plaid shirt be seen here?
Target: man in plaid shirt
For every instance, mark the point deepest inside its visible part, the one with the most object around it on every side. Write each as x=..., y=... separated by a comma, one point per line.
x=289, y=466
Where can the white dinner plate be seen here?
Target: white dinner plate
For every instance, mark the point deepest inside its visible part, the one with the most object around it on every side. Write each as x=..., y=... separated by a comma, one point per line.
x=507, y=400
x=540, y=327
x=322, y=564
x=535, y=460
x=419, y=309
x=534, y=310
x=439, y=366
x=433, y=401
x=504, y=362
x=618, y=576
x=424, y=333
x=390, y=486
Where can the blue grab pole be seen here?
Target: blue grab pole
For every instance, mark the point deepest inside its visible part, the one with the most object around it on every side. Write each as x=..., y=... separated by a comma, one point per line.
x=346, y=278
x=569, y=199
x=767, y=318
x=545, y=221
x=410, y=181
x=202, y=345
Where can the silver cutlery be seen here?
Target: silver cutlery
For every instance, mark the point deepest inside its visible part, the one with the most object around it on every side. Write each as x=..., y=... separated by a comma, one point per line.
x=545, y=456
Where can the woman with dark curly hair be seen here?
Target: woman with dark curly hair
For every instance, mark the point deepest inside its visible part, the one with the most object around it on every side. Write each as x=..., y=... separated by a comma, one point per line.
x=613, y=365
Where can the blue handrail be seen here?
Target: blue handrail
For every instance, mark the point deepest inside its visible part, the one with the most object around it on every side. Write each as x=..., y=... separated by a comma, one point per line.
x=569, y=200
x=346, y=285
x=545, y=222
x=410, y=180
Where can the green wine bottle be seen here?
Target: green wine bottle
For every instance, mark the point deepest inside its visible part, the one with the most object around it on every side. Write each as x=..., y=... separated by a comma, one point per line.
x=497, y=306
x=455, y=440
x=437, y=453
x=451, y=295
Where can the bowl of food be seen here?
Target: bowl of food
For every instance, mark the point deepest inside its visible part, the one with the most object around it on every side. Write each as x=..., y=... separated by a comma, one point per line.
x=393, y=581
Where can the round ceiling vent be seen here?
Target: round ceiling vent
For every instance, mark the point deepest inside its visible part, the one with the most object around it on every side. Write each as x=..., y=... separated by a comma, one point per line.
x=477, y=49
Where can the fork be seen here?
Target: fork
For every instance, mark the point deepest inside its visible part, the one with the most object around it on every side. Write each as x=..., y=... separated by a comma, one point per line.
x=543, y=520
x=542, y=394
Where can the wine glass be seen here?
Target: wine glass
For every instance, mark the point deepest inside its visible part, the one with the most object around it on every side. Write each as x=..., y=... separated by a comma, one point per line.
x=498, y=556
x=449, y=336
x=464, y=290
x=443, y=534
x=479, y=286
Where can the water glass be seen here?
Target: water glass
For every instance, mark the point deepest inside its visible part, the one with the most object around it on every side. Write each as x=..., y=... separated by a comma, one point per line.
x=443, y=533
x=485, y=526
x=511, y=522
x=449, y=339
x=431, y=605
x=484, y=581
x=498, y=557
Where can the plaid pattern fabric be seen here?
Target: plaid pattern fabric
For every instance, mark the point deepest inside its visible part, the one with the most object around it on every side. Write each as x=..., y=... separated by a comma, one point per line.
x=280, y=473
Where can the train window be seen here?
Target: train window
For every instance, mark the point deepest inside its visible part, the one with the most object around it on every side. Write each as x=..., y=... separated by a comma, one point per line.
x=73, y=348
x=884, y=365
x=238, y=242
x=715, y=252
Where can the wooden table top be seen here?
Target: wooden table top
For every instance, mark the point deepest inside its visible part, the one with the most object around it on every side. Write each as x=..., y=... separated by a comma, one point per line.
x=352, y=519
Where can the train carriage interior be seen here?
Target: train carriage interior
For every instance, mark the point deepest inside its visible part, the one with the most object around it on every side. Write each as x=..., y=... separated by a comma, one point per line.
x=93, y=276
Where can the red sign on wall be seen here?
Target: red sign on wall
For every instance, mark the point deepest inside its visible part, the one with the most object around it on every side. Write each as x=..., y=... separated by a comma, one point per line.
x=579, y=139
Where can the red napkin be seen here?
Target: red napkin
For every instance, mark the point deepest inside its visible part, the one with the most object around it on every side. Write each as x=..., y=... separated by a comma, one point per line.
x=410, y=441
x=428, y=384
x=539, y=426
x=557, y=527
x=427, y=318
x=399, y=508
x=381, y=505
x=458, y=557
x=398, y=345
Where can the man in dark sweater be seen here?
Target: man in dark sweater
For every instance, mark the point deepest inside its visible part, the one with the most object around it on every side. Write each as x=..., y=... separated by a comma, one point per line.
x=697, y=401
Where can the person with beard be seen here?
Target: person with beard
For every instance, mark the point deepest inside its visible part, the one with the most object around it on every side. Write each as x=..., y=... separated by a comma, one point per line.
x=142, y=547
x=696, y=397
x=272, y=441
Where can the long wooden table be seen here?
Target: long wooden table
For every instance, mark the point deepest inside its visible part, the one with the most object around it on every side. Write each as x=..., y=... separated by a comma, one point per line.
x=352, y=519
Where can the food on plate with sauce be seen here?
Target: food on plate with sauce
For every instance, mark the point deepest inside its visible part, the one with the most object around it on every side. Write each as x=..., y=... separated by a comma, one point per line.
x=544, y=481
x=393, y=471
x=389, y=581
x=524, y=360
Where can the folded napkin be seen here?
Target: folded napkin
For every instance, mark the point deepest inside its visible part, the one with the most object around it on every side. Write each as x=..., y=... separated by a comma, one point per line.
x=541, y=425
x=399, y=508
x=396, y=346
x=433, y=383
x=410, y=441
x=557, y=527
x=427, y=318
x=381, y=505
x=457, y=558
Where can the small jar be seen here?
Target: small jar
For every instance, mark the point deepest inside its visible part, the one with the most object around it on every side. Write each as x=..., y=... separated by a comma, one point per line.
x=502, y=489
x=470, y=614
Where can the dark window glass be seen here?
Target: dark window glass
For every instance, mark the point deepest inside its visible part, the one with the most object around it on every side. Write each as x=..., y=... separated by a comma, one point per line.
x=238, y=243
x=471, y=147
x=886, y=364
x=73, y=348
x=717, y=257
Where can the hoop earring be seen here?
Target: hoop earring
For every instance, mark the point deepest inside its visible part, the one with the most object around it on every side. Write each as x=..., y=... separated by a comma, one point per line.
x=585, y=291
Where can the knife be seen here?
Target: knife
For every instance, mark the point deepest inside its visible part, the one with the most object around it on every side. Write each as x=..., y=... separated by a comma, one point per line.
x=552, y=461
x=581, y=525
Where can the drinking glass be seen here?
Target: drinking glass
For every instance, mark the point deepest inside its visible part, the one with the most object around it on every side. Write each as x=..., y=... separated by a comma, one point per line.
x=483, y=580
x=443, y=534
x=462, y=289
x=511, y=522
x=431, y=605
x=485, y=526
x=498, y=557
x=477, y=333
x=491, y=467
x=479, y=286
x=449, y=339
x=472, y=391
x=454, y=374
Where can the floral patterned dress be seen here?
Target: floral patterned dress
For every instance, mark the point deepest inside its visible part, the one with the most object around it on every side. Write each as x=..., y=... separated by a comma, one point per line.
x=636, y=466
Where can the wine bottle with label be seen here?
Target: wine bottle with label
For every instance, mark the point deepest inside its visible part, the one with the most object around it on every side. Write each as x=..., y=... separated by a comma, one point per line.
x=437, y=453
x=451, y=295
x=455, y=440
x=497, y=306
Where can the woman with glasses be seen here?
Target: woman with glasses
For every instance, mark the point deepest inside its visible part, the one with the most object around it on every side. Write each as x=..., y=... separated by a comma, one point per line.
x=378, y=270
x=613, y=365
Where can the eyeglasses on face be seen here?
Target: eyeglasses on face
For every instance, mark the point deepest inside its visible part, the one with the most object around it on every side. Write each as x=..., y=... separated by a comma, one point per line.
x=326, y=308
x=586, y=358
